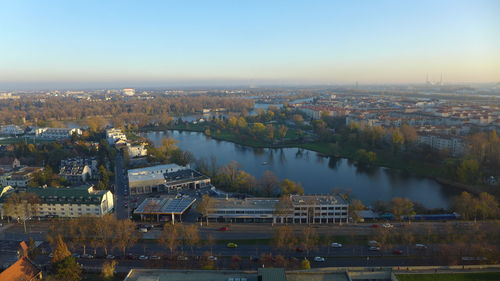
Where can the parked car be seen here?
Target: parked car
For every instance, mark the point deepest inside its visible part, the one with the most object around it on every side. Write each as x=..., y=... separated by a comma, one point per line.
x=373, y=243
x=397, y=252
x=143, y=258
x=232, y=245
x=87, y=256
x=110, y=257
x=182, y=258
x=387, y=225
x=319, y=259
x=212, y=258
x=374, y=248
x=336, y=245
x=154, y=258
x=225, y=228
x=143, y=230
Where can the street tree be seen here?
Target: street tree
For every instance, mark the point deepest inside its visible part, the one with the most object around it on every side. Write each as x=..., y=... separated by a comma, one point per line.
x=354, y=208
x=125, y=235
x=204, y=206
x=402, y=207
x=169, y=237
x=309, y=238
x=22, y=206
x=191, y=236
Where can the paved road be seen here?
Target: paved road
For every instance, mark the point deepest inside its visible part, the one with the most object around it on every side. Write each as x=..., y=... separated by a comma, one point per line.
x=121, y=188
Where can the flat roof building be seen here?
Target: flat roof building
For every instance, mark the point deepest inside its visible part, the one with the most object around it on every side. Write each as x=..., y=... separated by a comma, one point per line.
x=298, y=209
x=161, y=209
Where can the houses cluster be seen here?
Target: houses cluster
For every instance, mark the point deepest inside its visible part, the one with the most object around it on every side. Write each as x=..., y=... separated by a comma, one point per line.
x=441, y=124
x=117, y=138
x=78, y=170
x=12, y=173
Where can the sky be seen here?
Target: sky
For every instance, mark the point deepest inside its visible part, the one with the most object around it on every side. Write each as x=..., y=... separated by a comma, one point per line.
x=160, y=43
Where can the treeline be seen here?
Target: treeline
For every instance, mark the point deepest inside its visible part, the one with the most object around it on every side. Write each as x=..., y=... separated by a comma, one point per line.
x=42, y=108
x=232, y=178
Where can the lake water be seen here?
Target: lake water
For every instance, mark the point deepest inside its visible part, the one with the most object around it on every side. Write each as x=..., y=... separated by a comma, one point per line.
x=317, y=174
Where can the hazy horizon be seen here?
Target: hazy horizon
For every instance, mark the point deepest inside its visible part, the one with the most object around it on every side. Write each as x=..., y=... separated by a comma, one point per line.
x=94, y=44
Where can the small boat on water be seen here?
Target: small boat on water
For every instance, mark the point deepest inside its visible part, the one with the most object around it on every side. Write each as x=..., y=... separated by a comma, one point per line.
x=264, y=163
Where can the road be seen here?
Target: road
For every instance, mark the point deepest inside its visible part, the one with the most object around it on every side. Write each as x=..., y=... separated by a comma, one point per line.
x=121, y=188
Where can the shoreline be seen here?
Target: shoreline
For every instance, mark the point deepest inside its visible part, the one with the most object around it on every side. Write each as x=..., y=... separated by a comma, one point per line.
x=311, y=147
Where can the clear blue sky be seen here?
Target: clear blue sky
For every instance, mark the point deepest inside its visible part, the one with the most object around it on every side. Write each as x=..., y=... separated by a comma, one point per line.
x=136, y=43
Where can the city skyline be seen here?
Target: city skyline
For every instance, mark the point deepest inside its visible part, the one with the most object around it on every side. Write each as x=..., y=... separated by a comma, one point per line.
x=130, y=44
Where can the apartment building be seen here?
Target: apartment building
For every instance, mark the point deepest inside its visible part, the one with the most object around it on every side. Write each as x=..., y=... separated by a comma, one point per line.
x=66, y=201
x=57, y=133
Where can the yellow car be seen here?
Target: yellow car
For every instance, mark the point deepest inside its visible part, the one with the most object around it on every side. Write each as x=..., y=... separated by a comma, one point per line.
x=232, y=245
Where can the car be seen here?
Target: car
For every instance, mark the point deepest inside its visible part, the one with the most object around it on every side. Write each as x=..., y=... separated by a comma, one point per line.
x=131, y=256
x=374, y=225
x=373, y=243
x=143, y=229
x=51, y=255
x=182, y=258
x=374, y=248
x=387, y=225
x=110, y=257
x=336, y=245
x=420, y=246
x=225, y=228
x=254, y=259
x=143, y=257
x=319, y=259
x=232, y=245
x=154, y=258
x=212, y=258
x=87, y=256
x=76, y=255
x=397, y=252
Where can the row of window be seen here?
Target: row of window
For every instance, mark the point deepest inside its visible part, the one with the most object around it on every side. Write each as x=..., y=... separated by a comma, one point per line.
x=322, y=214
x=321, y=208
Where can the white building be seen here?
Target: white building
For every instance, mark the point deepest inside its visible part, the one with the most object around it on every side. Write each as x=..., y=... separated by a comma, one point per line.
x=113, y=135
x=67, y=202
x=453, y=144
x=314, y=209
x=57, y=133
x=11, y=130
x=128, y=91
x=137, y=150
x=147, y=180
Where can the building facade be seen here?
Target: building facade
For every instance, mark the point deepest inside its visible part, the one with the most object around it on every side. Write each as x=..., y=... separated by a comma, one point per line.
x=67, y=202
x=306, y=209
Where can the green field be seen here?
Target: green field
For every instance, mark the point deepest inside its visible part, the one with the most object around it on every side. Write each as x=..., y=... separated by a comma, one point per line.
x=486, y=276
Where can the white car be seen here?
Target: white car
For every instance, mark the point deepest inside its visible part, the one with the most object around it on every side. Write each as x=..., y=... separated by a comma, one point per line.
x=336, y=245
x=143, y=258
x=319, y=259
x=155, y=257
x=143, y=230
x=110, y=257
x=374, y=248
x=420, y=246
x=387, y=225
x=212, y=258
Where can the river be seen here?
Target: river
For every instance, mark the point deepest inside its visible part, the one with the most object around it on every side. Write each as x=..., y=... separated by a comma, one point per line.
x=317, y=174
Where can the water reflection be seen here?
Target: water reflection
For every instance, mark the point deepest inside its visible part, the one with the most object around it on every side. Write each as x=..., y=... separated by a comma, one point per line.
x=318, y=174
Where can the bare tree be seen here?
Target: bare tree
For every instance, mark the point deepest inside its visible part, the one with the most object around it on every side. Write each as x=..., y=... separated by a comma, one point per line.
x=169, y=237
x=309, y=238
x=204, y=206
x=125, y=235
x=22, y=206
x=191, y=235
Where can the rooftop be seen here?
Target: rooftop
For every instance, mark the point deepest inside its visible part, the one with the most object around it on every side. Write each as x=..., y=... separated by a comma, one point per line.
x=64, y=195
x=166, y=205
x=318, y=200
x=247, y=203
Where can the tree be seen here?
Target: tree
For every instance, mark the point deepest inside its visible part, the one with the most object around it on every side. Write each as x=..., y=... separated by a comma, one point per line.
x=191, y=235
x=106, y=231
x=125, y=235
x=305, y=264
x=60, y=251
x=22, y=206
x=309, y=238
x=402, y=207
x=108, y=269
x=67, y=269
x=169, y=237
x=298, y=119
x=466, y=205
x=284, y=208
x=354, y=207
x=469, y=171
x=397, y=139
x=95, y=123
x=488, y=206
x=204, y=206
x=290, y=187
x=409, y=134
x=283, y=238
x=269, y=183
x=282, y=130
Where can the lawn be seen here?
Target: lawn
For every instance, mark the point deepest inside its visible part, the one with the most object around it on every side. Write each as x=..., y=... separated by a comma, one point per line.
x=486, y=276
